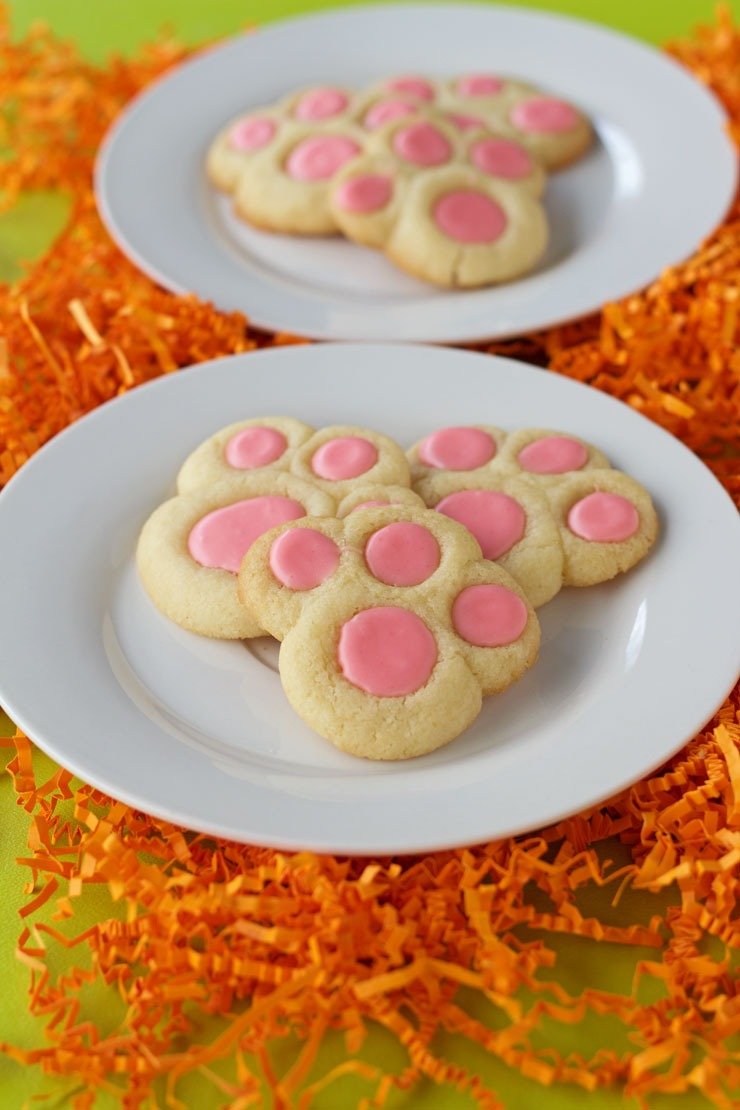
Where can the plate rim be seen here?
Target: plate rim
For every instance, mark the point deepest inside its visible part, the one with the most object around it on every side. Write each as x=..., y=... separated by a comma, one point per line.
x=271, y=319
x=25, y=718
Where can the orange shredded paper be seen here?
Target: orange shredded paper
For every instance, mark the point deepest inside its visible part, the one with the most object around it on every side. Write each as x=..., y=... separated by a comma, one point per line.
x=264, y=945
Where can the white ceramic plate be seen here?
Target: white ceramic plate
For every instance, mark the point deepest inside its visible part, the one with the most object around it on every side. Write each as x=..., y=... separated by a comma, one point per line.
x=660, y=178
x=198, y=731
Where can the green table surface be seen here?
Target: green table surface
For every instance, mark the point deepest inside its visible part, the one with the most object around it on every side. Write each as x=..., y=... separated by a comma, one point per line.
x=101, y=28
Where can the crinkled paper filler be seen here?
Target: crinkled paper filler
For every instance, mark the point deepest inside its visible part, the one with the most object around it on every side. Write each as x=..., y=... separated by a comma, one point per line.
x=275, y=944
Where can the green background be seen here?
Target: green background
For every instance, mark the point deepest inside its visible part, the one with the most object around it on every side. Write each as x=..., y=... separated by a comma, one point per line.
x=102, y=27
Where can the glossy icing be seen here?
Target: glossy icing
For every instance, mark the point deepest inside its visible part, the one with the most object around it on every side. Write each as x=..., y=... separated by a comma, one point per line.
x=422, y=144
x=402, y=554
x=254, y=447
x=457, y=449
x=489, y=615
x=502, y=158
x=368, y=192
x=320, y=156
x=553, y=455
x=344, y=457
x=604, y=518
x=496, y=520
x=469, y=217
x=387, y=651
x=303, y=558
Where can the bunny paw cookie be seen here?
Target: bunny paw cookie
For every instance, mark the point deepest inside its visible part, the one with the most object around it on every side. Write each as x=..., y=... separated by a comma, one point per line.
x=191, y=547
x=546, y=506
x=452, y=207
x=393, y=627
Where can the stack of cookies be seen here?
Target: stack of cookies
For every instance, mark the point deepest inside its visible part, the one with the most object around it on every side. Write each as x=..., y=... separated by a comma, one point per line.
x=445, y=177
x=402, y=586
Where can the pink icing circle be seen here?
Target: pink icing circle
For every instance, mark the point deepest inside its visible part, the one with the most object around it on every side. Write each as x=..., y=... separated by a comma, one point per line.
x=457, y=449
x=320, y=156
x=544, y=113
x=320, y=104
x=413, y=86
x=255, y=446
x=502, y=158
x=402, y=554
x=252, y=133
x=344, y=457
x=366, y=193
x=496, y=520
x=223, y=537
x=303, y=558
x=386, y=651
x=604, y=518
x=465, y=123
x=479, y=84
x=489, y=616
x=422, y=144
x=370, y=505
x=553, y=455
x=469, y=216
x=383, y=111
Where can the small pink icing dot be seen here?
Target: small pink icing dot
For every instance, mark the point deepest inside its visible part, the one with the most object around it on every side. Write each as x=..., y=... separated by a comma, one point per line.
x=464, y=123
x=320, y=104
x=367, y=193
x=553, y=455
x=387, y=651
x=544, y=113
x=422, y=144
x=369, y=505
x=344, y=457
x=251, y=133
x=604, y=518
x=303, y=558
x=469, y=217
x=502, y=158
x=254, y=447
x=413, y=86
x=383, y=111
x=402, y=554
x=496, y=520
x=320, y=156
x=479, y=84
x=457, y=449
x=489, y=616
x=223, y=537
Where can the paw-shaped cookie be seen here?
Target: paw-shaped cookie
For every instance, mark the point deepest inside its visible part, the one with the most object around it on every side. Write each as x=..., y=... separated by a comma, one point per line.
x=191, y=547
x=393, y=627
x=540, y=454
x=247, y=446
x=544, y=505
x=442, y=202
x=339, y=458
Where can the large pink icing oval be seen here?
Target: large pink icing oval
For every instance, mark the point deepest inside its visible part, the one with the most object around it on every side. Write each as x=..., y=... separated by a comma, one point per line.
x=402, y=554
x=604, y=518
x=369, y=192
x=422, y=144
x=469, y=217
x=321, y=104
x=496, y=520
x=254, y=447
x=553, y=455
x=489, y=615
x=502, y=158
x=457, y=449
x=252, y=133
x=544, y=113
x=387, y=651
x=320, y=157
x=302, y=558
x=223, y=537
x=344, y=457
